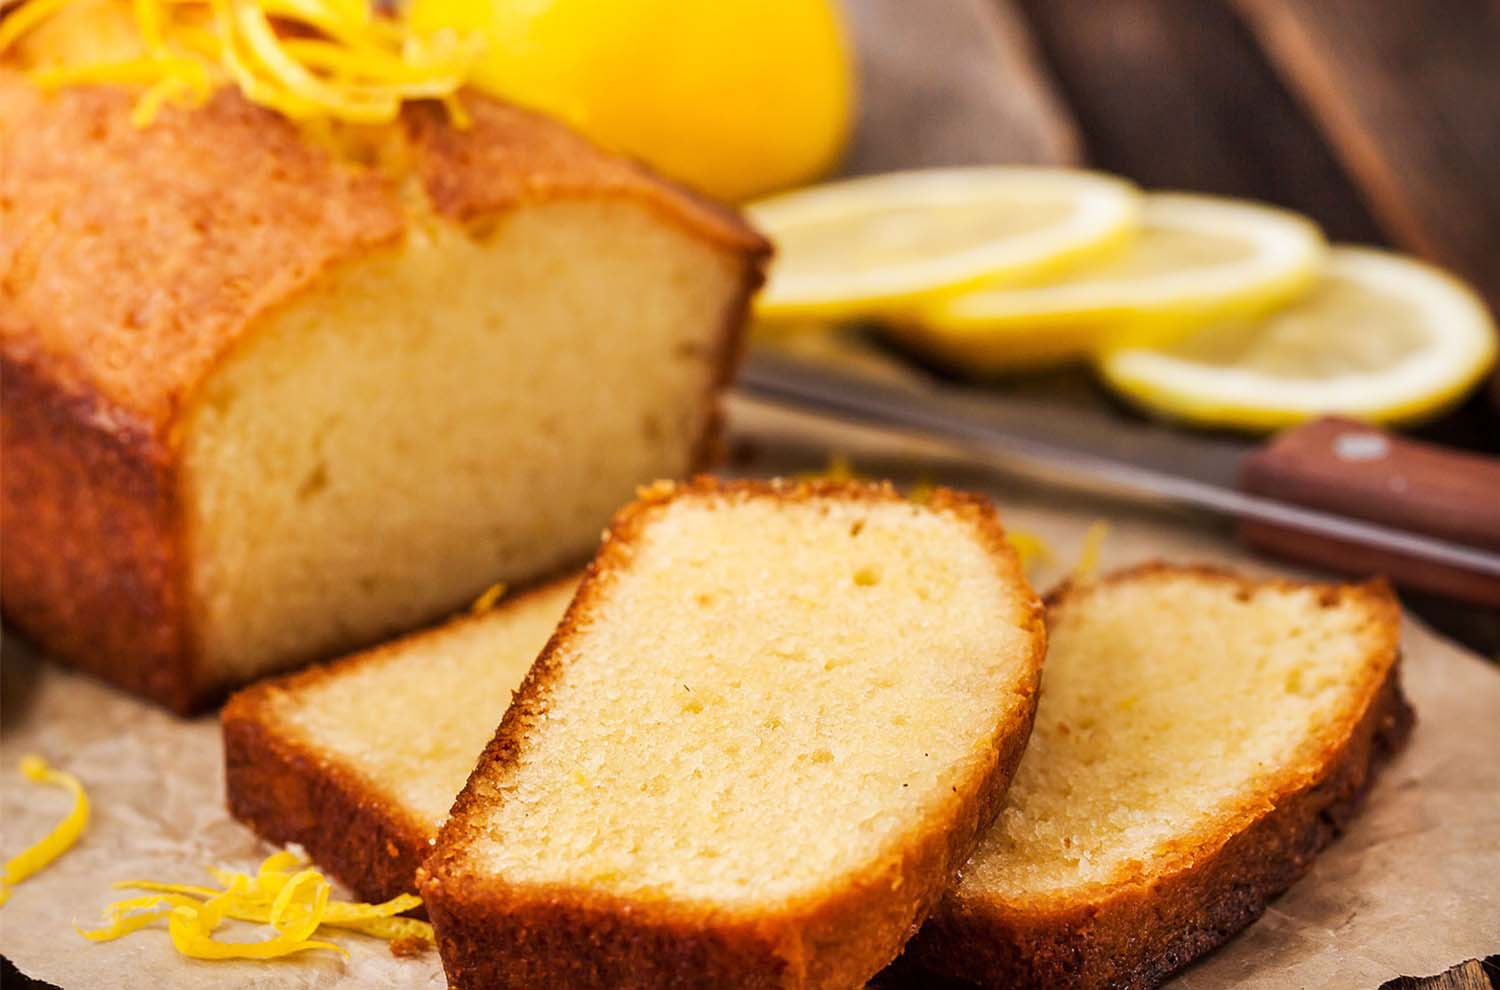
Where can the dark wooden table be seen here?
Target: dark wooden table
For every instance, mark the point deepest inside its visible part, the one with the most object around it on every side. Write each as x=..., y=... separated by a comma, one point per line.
x=1380, y=119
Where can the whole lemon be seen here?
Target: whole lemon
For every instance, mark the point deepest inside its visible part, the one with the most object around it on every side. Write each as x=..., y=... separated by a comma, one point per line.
x=735, y=97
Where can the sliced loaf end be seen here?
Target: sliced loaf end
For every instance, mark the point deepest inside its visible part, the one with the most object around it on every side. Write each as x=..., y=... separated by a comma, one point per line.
x=1200, y=737
x=359, y=760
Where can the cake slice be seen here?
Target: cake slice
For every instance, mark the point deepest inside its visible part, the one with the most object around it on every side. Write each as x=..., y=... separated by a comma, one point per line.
x=272, y=394
x=359, y=760
x=1200, y=737
x=769, y=728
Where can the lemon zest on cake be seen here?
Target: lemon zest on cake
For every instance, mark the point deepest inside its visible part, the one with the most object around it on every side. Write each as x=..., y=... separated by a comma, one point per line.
x=155, y=97
x=148, y=20
x=25, y=17
x=305, y=59
x=458, y=115
x=293, y=899
x=62, y=837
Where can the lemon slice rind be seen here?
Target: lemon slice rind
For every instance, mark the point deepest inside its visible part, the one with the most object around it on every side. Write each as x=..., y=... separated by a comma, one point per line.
x=1287, y=250
x=1459, y=348
x=1103, y=212
x=991, y=329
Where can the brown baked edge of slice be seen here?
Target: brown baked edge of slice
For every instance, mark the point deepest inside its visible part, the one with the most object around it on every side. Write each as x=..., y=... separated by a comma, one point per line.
x=1148, y=930
x=493, y=934
x=281, y=785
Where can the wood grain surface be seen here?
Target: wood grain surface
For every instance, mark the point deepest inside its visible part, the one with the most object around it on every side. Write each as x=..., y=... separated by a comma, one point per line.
x=1175, y=94
x=1408, y=93
x=1475, y=974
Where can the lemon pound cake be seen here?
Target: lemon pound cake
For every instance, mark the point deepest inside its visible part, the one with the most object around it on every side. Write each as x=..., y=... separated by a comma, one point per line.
x=770, y=726
x=274, y=394
x=359, y=761
x=1200, y=737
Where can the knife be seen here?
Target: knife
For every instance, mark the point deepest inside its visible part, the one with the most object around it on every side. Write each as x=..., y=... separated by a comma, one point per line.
x=1336, y=493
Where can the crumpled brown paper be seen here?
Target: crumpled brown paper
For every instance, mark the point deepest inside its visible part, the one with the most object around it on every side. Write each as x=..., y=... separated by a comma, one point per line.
x=1410, y=889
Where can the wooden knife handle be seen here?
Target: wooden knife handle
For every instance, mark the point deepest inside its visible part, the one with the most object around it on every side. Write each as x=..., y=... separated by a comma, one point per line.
x=1357, y=470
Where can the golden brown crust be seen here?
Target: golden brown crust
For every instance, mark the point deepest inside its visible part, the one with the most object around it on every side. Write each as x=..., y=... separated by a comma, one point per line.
x=511, y=155
x=133, y=261
x=85, y=499
x=494, y=934
x=129, y=261
x=1134, y=934
x=194, y=226
x=288, y=790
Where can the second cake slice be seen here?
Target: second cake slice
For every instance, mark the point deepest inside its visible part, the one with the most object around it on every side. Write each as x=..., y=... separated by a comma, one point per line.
x=767, y=732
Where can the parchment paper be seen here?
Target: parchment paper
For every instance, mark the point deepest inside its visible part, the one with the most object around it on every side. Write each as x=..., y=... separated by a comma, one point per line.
x=1411, y=889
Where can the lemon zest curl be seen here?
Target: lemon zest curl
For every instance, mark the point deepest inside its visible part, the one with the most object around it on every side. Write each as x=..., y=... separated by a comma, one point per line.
x=1088, y=555
x=489, y=598
x=294, y=900
x=305, y=59
x=62, y=837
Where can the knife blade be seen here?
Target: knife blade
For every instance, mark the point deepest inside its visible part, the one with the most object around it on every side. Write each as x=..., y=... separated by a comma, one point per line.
x=1097, y=454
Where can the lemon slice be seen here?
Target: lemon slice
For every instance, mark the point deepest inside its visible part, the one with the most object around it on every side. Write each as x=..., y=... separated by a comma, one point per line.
x=1195, y=259
x=1381, y=337
x=864, y=246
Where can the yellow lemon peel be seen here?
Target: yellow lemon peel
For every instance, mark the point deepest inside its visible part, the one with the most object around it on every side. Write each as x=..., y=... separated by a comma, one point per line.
x=62, y=836
x=25, y=17
x=733, y=97
x=1032, y=549
x=1088, y=556
x=284, y=893
x=488, y=598
x=305, y=59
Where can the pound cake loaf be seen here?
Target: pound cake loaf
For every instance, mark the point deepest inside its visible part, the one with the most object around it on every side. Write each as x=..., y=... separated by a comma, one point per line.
x=359, y=761
x=271, y=394
x=770, y=726
x=1200, y=737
